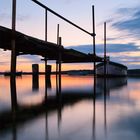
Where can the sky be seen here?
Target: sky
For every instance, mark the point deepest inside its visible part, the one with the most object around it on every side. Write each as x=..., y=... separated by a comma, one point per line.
x=123, y=29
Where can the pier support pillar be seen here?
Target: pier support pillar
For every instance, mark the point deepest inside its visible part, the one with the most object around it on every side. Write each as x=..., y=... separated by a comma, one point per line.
x=13, y=42
x=35, y=83
x=13, y=58
x=59, y=64
x=35, y=78
x=13, y=93
x=48, y=71
x=35, y=69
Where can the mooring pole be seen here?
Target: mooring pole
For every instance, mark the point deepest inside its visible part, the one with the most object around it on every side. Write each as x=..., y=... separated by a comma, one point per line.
x=93, y=23
x=45, y=59
x=46, y=94
x=57, y=44
x=46, y=24
x=94, y=49
x=59, y=79
x=105, y=49
x=59, y=61
x=94, y=64
x=46, y=38
x=13, y=42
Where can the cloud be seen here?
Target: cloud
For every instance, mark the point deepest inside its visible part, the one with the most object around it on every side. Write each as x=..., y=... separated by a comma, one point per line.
x=111, y=48
x=127, y=54
x=29, y=59
x=128, y=126
x=127, y=20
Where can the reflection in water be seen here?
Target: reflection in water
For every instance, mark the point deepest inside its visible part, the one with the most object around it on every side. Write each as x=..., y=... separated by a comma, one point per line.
x=14, y=105
x=106, y=92
x=35, y=82
x=13, y=93
x=47, y=86
x=104, y=85
x=74, y=114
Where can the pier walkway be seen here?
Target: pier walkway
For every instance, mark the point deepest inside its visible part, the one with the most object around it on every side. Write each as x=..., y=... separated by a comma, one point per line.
x=33, y=46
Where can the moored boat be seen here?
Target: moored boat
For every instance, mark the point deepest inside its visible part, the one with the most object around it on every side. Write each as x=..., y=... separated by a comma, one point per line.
x=113, y=69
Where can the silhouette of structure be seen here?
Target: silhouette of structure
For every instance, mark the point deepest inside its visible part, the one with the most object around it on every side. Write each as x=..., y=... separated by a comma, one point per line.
x=21, y=44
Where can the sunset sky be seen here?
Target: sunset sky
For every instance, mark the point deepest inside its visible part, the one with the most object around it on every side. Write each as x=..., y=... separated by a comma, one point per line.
x=123, y=29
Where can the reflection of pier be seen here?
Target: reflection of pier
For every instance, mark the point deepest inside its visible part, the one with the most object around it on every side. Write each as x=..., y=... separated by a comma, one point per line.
x=22, y=113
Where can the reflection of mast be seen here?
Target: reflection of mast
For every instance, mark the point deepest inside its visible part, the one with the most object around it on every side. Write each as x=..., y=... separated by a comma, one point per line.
x=47, y=133
x=94, y=111
x=47, y=85
x=13, y=93
x=59, y=112
x=35, y=82
x=14, y=105
x=14, y=130
x=105, y=82
x=105, y=119
x=94, y=97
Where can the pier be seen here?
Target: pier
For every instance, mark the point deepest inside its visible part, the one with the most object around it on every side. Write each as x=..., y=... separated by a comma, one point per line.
x=21, y=44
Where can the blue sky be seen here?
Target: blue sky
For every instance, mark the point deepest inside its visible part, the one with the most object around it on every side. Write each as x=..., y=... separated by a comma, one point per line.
x=123, y=25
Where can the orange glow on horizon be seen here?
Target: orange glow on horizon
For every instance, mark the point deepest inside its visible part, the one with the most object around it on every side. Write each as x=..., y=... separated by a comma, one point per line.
x=28, y=67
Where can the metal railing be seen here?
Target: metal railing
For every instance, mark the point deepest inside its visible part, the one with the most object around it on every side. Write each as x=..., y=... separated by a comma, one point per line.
x=58, y=15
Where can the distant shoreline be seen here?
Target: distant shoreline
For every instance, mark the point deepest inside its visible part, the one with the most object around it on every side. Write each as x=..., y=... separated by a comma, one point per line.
x=130, y=72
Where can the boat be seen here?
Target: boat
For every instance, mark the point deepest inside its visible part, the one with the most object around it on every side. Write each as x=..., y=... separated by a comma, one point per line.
x=113, y=69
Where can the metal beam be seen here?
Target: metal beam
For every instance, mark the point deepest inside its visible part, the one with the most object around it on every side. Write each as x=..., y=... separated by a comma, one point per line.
x=58, y=15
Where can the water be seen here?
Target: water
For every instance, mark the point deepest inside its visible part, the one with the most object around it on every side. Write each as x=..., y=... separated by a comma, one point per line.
x=77, y=116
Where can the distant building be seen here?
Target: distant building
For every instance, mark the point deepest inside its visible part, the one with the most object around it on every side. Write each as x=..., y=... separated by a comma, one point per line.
x=112, y=69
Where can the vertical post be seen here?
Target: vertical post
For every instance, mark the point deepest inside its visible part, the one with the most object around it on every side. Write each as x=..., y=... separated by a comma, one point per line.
x=59, y=61
x=13, y=43
x=93, y=23
x=46, y=39
x=46, y=95
x=94, y=49
x=94, y=61
x=105, y=49
x=57, y=44
x=13, y=94
x=59, y=79
x=46, y=24
x=105, y=82
x=46, y=35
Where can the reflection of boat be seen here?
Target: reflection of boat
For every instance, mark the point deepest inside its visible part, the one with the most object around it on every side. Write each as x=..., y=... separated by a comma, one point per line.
x=112, y=69
x=78, y=72
x=111, y=83
x=7, y=73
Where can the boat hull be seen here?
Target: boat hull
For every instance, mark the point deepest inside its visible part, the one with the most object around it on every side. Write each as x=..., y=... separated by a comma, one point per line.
x=112, y=70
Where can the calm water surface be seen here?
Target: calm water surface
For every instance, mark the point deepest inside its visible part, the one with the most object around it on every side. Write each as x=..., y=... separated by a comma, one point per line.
x=111, y=116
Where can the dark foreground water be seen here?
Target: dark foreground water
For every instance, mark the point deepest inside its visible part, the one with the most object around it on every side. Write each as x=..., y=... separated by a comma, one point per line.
x=114, y=115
